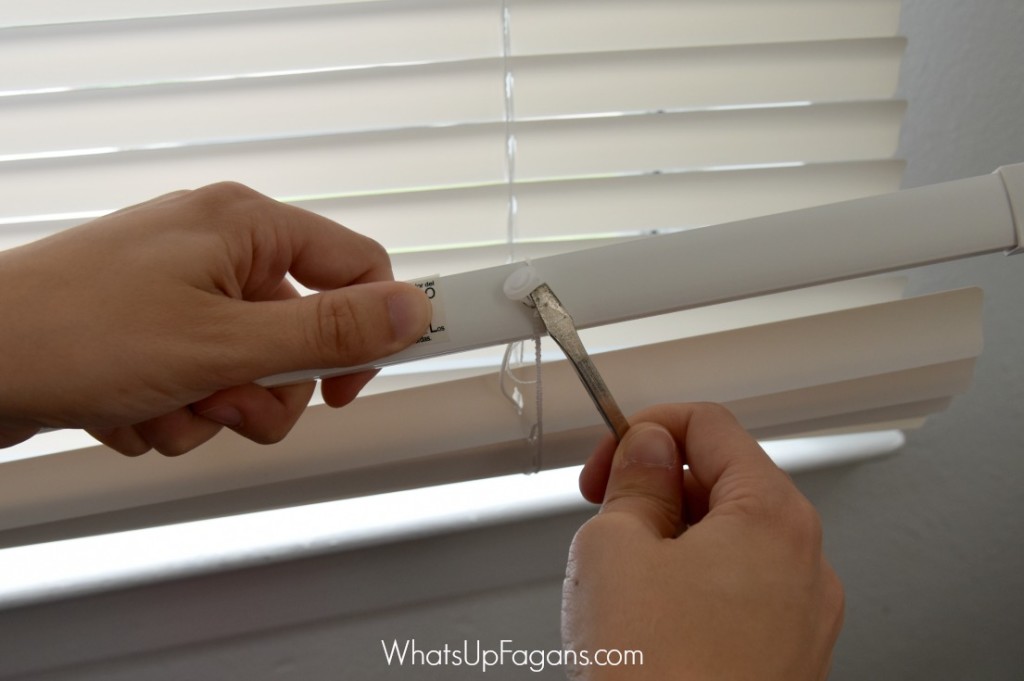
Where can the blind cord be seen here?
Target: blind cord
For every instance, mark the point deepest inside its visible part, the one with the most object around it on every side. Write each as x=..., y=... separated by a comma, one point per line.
x=512, y=206
x=535, y=429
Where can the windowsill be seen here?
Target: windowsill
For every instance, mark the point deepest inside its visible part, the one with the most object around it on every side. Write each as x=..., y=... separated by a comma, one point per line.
x=74, y=567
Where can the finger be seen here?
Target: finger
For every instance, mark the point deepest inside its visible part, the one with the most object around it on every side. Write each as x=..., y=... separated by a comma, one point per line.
x=346, y=327
x=646, y=480
x=327, y=255
x=177, y=432
x=594, y=476
x=341, y=390
x=695, y=499
x=12, y=435
x=153, y=201
x=279, y=290
x=594, y=481
x=725, y=460
x=321, y=254
x=264, y=415
x=178, y=193
x=122, y=439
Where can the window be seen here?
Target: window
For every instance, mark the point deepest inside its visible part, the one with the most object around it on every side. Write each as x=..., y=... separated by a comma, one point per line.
x=463, y=134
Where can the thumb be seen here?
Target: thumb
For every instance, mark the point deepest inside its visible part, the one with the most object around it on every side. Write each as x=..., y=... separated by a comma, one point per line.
x=339, y=328
x=646, y=479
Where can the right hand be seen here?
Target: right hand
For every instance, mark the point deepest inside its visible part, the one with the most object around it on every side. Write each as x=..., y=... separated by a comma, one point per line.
x=714, y=573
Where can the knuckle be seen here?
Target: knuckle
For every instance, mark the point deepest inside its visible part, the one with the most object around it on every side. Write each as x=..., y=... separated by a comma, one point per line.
x=266, y=437
x=172, y=448
x=803, y=524
x=376, y=251
x=713, y=411
x=591, y=536
x=224, y=192
x=831, y=599
x=638, y=500
x=135, y=450
x=221, y=199
x=336, y=332
x=835, y=600
x=174, y=433
x=603, y=541
x=835, y=593
x=130, y=451
x=373, y=255
x=268, y=433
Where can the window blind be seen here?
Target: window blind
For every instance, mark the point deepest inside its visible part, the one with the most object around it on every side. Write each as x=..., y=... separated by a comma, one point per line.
x=390, y=116
x=460, y=134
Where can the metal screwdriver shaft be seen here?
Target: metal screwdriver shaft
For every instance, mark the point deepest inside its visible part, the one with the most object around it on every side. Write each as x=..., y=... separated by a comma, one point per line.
x=561, y=327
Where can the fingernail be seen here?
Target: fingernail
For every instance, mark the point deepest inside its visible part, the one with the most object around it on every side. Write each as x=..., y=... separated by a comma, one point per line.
x=407, y=313
x=225, y=416
x=651, y=447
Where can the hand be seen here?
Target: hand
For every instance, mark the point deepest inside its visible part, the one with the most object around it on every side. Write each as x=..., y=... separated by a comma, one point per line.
x=715, y=573
x=150, y=325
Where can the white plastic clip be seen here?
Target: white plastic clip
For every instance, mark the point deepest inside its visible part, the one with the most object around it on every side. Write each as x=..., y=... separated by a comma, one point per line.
x=522, y=282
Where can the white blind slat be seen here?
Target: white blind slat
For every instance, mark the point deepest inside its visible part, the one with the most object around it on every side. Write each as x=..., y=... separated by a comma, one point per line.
x=249, y=43
x=432, y=94
x=125, y=128
x=903, y=416
x=872, y=394
x=541, y=26
x=627, y=144
x=679, y=200
x=287, y=169
x=707, y=77
x=44, y=12
x=589, y=208
x=93, y=480
x=594, y=209
x=256, y=108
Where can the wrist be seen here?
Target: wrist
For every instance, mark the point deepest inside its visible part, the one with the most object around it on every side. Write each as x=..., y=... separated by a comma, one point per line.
x=19, y=343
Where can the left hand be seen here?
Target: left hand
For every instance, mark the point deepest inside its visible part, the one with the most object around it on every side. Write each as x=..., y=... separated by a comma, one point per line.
x=149, y=326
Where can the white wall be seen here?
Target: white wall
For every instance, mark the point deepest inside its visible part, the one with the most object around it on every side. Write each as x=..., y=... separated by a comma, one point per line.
x=929, y=542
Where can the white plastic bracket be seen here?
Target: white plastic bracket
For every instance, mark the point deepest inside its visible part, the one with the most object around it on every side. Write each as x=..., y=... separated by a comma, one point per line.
x=1013, y=178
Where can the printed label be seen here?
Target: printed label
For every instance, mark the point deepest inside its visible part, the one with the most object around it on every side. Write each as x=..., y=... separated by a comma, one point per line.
x=438, y=331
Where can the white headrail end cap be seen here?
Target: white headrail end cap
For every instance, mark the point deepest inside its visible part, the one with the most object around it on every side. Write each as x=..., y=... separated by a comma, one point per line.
x=1013, y=179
